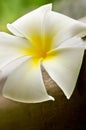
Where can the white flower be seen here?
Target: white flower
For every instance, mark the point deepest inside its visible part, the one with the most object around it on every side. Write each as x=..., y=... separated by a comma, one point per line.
x=41, y=37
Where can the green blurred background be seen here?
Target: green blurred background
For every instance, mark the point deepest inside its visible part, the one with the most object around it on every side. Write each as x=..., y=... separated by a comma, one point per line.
x=12, y=9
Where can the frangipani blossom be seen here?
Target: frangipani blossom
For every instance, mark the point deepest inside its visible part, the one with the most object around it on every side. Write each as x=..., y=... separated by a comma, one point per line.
x=41, y=37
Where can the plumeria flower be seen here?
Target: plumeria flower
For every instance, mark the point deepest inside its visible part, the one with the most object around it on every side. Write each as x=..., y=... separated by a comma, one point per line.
x=41, y=38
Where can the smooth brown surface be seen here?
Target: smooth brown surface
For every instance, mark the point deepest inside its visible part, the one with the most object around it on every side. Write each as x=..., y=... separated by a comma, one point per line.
x=61, y=114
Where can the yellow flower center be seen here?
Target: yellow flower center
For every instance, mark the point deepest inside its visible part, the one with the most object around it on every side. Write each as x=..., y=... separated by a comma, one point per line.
x=40, y=45
x=39, y=48
x=39, y=53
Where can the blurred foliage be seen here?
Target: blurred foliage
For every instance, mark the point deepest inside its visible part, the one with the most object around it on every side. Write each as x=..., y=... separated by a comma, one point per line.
x=12, y=9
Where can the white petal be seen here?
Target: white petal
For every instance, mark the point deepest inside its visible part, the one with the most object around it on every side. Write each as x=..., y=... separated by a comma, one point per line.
x=61, y=27
x=8, y=68
x=29, y=23
x=73, y=42
x=64, y=68
x=25, y=84
x=11, y=48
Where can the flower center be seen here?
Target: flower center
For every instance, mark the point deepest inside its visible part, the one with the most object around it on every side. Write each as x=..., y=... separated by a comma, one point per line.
x=41, y=53
x=40, y=46
x=37, y=52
